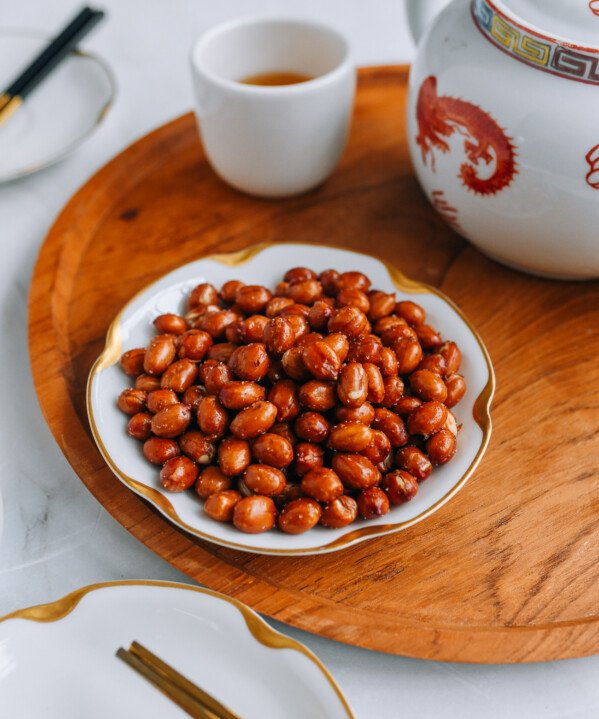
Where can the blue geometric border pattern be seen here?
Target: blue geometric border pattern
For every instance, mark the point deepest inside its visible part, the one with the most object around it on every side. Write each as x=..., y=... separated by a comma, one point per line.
x=544, y=53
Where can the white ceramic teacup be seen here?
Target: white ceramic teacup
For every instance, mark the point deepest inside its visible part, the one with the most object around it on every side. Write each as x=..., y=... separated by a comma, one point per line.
x=281, y=140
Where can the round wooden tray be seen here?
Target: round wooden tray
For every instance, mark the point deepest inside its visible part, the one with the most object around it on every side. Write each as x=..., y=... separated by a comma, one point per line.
x=506, y=572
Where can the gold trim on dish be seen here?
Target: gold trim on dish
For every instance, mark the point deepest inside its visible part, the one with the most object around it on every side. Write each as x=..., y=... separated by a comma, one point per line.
x=260, y=630
x=481, y=412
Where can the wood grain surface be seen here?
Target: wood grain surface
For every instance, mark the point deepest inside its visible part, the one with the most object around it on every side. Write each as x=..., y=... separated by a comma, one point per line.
x=506, y=572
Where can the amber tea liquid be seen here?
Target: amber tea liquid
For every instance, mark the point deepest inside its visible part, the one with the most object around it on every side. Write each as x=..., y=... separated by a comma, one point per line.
x=276, y=78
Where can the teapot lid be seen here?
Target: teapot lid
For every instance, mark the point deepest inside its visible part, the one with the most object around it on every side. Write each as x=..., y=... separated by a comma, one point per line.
x=569, y=21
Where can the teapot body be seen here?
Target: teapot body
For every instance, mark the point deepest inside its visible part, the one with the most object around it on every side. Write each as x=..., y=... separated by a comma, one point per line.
x=506, y=147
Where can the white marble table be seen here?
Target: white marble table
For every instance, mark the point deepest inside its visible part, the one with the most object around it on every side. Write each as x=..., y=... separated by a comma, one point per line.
x=56, y=536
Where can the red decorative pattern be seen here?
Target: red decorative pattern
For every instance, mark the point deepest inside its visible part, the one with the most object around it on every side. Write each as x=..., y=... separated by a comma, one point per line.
x=439, y=117
x=448, y=212
x=592, y=157
x=594, y=6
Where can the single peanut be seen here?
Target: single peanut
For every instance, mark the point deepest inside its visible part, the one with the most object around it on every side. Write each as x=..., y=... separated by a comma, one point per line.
x=229, y=290
x=322, y=484
x=350, y=321
x=132, y=362
x=132, y=401
x=392, y=425
x=353, y=281
x=197, y=447
x=321, y=360
x=234, y=456
x=264, y=479
x=379, y=448
x=427, y=419
x=312, y=427
x=254, y=420
x=354, y=297
x=428, y=337
x=381, y=305
x=409, y=354
x=308, y=456
x=299, y=274
x=252, y=299
x=254, y=514
x=411, y=312
x=299, y=516
x=160, y=353
x=373, y=503
x=414, y=461
x=279, y=335
x=339, y=513
x=456, y=389
x=377, y=391
x=364, y=413
x=212, y=417
x=237, y=395
x=317, y=395
x=221, y=505
x=193, y=345
x=202, y=295
x=250, y=362
x=274, y=450
x=170, y=324
x=211, y=481
x=171, y=421
x=179, y=376
x=159, y=399
x=400, y=486
x=350, y=437
x=158, y=450
x=140, y=426
x=355, y=471
x=147, y=382
x=305, y=291
x=178, y=474
x=339, y=342
x=215, y=375
x=283, y=395
x=441, y=446
x=428, y=385
x=352, y=387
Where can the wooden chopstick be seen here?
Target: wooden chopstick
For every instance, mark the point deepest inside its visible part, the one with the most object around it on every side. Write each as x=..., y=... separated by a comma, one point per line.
x=176, y=695
x=56, y=50
x=151, y=660
x=155, y=668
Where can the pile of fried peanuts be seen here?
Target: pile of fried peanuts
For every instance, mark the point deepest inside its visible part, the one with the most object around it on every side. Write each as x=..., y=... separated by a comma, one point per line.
x=311, y=405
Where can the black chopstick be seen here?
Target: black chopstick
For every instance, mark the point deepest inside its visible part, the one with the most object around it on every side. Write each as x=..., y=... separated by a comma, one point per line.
x=47, y=60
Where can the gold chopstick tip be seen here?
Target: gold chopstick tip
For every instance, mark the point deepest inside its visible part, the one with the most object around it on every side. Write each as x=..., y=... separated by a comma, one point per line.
x=8, y=105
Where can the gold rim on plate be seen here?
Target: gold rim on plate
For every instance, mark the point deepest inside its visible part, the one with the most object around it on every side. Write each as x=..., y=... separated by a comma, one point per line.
x=260, y=630
x=481, y=411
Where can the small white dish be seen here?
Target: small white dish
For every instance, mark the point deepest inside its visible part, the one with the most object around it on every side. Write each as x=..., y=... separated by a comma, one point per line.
x=59, y=115
x=264, y=264
x=69, y=647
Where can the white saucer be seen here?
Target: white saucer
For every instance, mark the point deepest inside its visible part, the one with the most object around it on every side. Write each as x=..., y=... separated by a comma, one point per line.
x=62, y=112
x=57, y=660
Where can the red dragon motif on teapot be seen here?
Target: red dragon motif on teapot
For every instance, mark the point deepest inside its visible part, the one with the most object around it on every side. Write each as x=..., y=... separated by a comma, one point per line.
x=440, y=116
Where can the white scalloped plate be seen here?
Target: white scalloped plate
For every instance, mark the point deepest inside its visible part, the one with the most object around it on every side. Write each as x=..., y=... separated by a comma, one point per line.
x=58, y=660
x=265, y=265
x=62, y=112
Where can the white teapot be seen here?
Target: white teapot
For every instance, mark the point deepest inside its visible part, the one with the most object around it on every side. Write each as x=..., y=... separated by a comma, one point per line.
x=503, y=126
